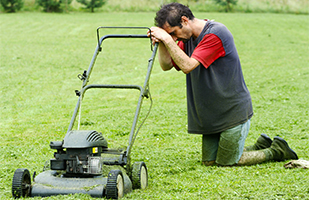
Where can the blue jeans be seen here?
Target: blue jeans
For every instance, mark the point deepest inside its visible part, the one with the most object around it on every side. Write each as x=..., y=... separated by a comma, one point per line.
x=227, y=147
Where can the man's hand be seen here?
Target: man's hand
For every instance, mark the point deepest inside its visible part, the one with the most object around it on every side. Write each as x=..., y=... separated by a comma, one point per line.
x=159, y=35
x=153, y=38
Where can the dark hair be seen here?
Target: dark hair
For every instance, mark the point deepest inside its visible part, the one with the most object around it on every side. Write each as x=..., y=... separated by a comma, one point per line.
x=172, y=13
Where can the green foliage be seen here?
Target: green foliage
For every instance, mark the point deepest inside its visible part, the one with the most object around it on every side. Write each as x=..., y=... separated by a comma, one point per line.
x=227, y=4
x=12, y=5
x=260, y=6
x=53, y=5
x=92, y=4
x=41, y=55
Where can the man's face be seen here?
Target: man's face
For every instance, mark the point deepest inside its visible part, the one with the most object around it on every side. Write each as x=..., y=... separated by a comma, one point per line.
x=177, y=33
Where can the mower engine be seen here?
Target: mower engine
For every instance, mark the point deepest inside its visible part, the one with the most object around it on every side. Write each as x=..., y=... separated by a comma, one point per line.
x=79, y=154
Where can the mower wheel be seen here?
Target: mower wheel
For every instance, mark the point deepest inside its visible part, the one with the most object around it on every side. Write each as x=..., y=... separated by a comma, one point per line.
x=115, y=185
x=139, y=175
x=21, y=186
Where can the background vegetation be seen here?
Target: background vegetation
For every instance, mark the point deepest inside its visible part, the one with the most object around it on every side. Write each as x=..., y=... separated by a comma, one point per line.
x=41, y=55
x=273, y=6
x=11, y=5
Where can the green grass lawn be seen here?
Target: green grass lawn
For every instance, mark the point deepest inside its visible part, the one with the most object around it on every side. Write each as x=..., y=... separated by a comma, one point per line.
x=42, y=54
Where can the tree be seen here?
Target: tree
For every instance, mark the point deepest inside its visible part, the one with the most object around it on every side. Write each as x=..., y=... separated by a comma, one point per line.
x=53, y=5
x=91, y=4
x=12, y=5
x=226, y=3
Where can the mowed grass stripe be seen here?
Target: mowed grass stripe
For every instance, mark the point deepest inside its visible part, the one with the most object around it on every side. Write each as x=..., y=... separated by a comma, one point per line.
x=41, y=55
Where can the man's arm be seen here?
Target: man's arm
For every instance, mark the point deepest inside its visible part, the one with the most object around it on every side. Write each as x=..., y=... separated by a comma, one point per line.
x=169, y=49
x=164, y=57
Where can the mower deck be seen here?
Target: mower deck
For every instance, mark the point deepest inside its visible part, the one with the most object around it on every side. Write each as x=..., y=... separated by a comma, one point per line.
x=50, y=182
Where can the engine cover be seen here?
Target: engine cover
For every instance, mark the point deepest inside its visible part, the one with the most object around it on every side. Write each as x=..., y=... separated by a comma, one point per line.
x=84, y=139
x=79, y=153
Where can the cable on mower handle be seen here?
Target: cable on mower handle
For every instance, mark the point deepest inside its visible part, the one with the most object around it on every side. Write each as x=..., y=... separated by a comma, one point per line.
x=121, y=27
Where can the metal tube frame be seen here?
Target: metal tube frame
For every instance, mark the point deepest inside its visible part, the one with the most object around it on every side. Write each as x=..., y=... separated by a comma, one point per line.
x=144, y=90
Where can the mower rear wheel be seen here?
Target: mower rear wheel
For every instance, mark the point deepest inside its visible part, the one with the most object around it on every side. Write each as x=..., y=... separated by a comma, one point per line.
x=21, y=185
x=115, y=185
x=139, y=175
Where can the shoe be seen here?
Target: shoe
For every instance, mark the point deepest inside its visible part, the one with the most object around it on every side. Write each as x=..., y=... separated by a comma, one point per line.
x=282, y=151
x=263, y=142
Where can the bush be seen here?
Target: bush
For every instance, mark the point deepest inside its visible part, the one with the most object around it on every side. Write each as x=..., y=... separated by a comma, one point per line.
x=11, y=5
x=91, y=4
x=53, y=5
x=227, y=4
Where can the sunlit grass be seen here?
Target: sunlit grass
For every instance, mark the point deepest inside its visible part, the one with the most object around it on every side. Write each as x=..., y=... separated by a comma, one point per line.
x=42, y=54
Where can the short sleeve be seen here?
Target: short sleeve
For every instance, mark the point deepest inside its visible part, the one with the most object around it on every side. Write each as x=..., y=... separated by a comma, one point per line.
x=208, y=50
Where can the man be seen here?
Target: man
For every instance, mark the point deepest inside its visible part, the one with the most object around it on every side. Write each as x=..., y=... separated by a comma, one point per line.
x=218, y=101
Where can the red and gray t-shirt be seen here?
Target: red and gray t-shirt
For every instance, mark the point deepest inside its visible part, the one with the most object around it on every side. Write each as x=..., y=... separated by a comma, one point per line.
x=217, y=96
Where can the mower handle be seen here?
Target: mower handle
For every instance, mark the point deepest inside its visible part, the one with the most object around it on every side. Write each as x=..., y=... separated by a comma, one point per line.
x=123, y=36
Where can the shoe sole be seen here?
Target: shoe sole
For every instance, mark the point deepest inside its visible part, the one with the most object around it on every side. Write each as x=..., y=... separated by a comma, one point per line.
x=286, y=144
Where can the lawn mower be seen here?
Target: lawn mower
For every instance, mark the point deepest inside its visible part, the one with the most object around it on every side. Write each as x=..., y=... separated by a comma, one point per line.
x=81, y=162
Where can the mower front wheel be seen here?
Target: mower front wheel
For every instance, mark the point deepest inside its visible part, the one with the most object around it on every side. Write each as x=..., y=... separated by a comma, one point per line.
x=139, y=175
x=21, y=185
x=115, y=185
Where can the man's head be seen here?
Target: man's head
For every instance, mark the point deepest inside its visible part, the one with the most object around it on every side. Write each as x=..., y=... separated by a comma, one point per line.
x=172, y=14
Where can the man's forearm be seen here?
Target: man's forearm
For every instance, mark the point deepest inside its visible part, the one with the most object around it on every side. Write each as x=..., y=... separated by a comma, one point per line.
x=182, y=60
x=164, y=57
